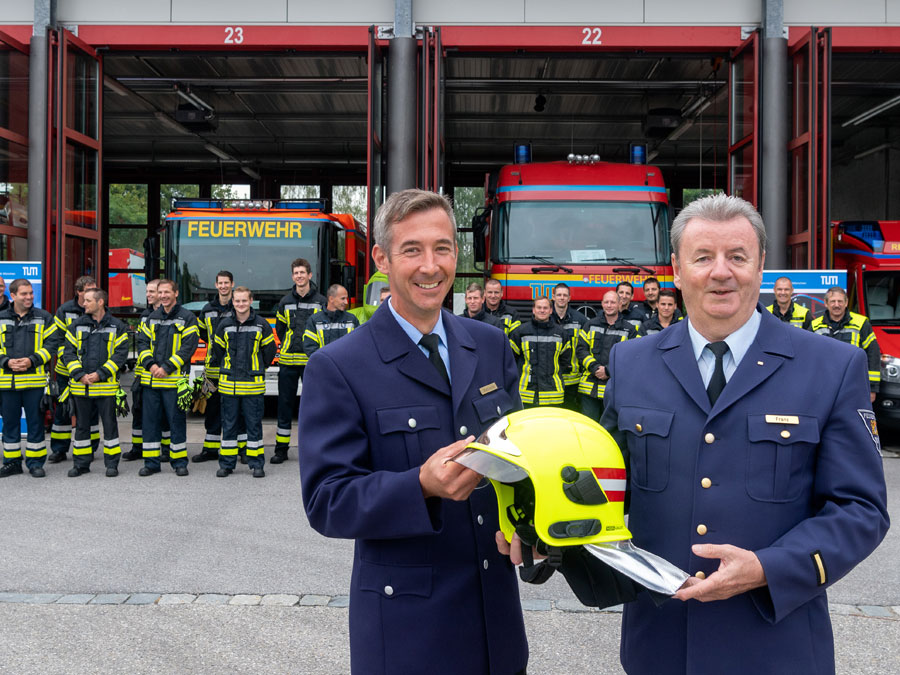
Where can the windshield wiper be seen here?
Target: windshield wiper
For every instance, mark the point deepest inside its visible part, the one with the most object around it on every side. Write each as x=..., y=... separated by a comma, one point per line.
x=625, y=261
x=556, y=267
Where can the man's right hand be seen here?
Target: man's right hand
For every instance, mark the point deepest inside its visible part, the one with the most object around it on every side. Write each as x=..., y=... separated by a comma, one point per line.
x=448, y=480
x=600, y=373
x=158, y=371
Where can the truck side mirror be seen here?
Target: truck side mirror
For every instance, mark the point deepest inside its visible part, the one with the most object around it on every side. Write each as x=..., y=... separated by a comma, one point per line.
x=348, y=278
x=151, y=257
x=479, y=227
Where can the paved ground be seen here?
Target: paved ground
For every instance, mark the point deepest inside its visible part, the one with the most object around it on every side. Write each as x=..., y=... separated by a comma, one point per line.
x=166, y=574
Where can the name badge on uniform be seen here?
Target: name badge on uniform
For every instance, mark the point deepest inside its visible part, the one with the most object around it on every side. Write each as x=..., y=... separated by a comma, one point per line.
x=782, y=419
x=868, y=418
x=488, y=388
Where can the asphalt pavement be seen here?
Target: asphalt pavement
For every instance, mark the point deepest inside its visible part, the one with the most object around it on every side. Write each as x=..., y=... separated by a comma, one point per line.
x=209, y=575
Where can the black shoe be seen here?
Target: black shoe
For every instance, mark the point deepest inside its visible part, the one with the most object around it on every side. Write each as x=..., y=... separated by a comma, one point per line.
x=164, y=457
x=76, y=471
x=223, y=473
x=258, y=472
x=37, y=472
x=205, y=456
x=181, y=471
x=112, y=472
x=147, y=471
x=56, y=457
x=10, y=469
x=133, y=454
x=280, y=456
x=243, y=457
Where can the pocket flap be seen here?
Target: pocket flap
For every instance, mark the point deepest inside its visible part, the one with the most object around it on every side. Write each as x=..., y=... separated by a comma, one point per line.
x=493, y=406
x=806, y=431
x=645, y=421
x=408, y=418
x=393, y=580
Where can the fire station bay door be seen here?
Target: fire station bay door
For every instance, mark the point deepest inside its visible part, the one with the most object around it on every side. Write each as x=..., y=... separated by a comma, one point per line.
x=430, y=174
x=743, y=120
x=74, y=165
x=374, y=138
x=809, y=150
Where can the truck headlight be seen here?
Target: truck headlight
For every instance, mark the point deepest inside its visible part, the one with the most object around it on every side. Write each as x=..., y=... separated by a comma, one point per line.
x=890, y=368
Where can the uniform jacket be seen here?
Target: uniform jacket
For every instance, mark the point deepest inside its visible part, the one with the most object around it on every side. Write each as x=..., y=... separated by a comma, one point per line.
x=138, y=368
x=65, y=315
x=571, y=322
x=652, y=325
x=242, y=351
x=794, y=475
x=796, y=315
x=34, y=335
x=637, y=313
x=95, y=347
x=290, y=323
x=167, y=340
x=509, y=315
x=856, y=330
x=545, y=354
x=429, y=591
x=484, y=317
x=210, y=316
x=325, y=327
x=595, y=341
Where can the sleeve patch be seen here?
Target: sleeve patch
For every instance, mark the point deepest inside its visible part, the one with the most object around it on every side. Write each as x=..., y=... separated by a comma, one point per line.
x=868, y=418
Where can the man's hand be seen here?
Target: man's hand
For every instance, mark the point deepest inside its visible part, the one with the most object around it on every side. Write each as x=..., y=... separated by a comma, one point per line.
x=19, y=365
x=448, y=480
x=872, y=396
x=90, y=378
x=739, y=571
x=158, y=371
x=600, y=373
x=514, y=548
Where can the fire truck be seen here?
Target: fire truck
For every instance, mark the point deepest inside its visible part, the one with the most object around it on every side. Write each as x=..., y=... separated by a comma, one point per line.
x=126, y=289
x=870, y=252
x=588, y=223
x=256, y=240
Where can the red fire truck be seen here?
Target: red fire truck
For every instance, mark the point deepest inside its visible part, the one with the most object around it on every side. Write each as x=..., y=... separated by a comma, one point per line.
x=256, y=240
x=587, y=223
x=127, y=289
x=870, y=252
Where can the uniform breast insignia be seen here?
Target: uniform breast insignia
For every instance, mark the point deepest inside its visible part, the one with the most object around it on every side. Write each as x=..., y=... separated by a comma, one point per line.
x=868, y=418
x=488, y=388
x=782, y=419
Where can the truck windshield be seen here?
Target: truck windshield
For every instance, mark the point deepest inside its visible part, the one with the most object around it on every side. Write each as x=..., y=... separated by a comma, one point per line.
x=261, y=263
x=579, y=232
x=883, y=297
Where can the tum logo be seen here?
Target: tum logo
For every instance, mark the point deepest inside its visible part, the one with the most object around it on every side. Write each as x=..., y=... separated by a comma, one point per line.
x=542, y=289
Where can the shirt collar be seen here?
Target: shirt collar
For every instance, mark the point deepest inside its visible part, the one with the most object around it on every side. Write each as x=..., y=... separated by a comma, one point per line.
x=738, y=342
x=414, y=333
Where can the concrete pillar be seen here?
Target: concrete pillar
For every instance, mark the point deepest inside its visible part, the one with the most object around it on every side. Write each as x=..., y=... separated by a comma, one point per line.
x=38, y=79
x=774, y=134
x=401, y=101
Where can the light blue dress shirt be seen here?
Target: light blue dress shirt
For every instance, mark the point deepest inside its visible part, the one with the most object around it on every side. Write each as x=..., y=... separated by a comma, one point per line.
x=738, y=344
x=415, y=335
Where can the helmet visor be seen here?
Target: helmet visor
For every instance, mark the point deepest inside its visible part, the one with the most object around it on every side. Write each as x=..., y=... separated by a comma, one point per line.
x=489, y=465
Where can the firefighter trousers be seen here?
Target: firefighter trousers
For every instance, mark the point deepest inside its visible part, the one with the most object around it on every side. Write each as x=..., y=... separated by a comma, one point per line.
x=61, y=431
x=137, y=421
x=212, y=422
x=591, y=407
x=288, y=379
x=242, y=412
x=12, y=402
x=160, y=406
x=86, y=408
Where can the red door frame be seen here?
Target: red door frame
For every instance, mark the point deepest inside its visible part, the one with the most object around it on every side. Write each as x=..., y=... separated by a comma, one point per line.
x=737, y=146
x=374, y=147
x=11, y=230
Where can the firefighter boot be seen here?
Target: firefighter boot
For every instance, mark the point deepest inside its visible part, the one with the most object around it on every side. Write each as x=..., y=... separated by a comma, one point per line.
x=281, y=454
x=205, y=455
x=136, y=452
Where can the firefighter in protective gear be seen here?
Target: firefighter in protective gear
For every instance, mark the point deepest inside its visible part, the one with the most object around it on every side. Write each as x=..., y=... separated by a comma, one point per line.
x=96, y=349
x=333, y=322
x=784, y=308
x=665, y=315
x=28, y=340
x=165, y=346
x=840, y=323
x=571, y=321
x=292, y=313
x=495, y=306
x=475, y=307
x=210, y=316
x=61, y=431
x=544, y=354
x=243, y=348
x=595, y=341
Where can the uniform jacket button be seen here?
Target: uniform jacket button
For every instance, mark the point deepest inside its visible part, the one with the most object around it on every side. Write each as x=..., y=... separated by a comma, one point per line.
x=498, y=410
x=638, y=428
x=701, y=529
x=709, y=438
x=485, y=564
x=388, y=590
x=700, y=575
x=463, y=430
x=480, y=520
x=785, y=434
x=412, y=423
x=706, y=482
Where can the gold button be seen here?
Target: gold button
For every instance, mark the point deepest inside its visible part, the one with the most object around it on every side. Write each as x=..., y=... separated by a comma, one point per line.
x=701, y=529
x=700, y=575
x=638, y=428
x=785, y=434
x=706, y=482
x=709, y=438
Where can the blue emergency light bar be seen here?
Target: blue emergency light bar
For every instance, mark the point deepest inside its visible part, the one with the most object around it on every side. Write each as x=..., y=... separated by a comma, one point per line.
x=638, y=153
x=867, y=231
x=318, y=204
x=251, y=204
x=522, y=153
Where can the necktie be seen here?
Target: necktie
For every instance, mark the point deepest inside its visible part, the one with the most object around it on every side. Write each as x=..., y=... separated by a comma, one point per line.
x=717, y=381
x=430, y=342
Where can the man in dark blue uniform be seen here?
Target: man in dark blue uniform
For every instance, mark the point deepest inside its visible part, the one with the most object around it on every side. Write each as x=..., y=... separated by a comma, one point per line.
x=382, y=411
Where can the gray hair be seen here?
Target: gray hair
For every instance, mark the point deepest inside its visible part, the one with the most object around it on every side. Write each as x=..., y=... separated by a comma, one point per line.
x=402, y=204
x=718, y=208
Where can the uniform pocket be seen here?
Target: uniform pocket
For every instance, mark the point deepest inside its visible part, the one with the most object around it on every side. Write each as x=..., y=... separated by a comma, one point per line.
x=493, y=406
x=392, y=581
x=407, y=423
x=649, y=444
x=777, y=456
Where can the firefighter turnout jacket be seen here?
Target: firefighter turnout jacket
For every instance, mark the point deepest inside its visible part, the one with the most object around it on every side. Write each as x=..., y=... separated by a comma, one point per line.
x=68, y=312
x=595, y=341
x=796, y=315
x=652, y=325
x=95, y=347
x=167, y=340
x=507, y=314
x=484, y=317
x=571, y=323
x=243, y=350
x=325, y=327
x=210, y=316
x=856, y=330
x=34, y=335
x=291, y=316
x=544, y=354
x=138, y=368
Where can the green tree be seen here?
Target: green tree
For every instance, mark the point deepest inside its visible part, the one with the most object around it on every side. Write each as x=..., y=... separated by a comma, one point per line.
x=466, y=201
